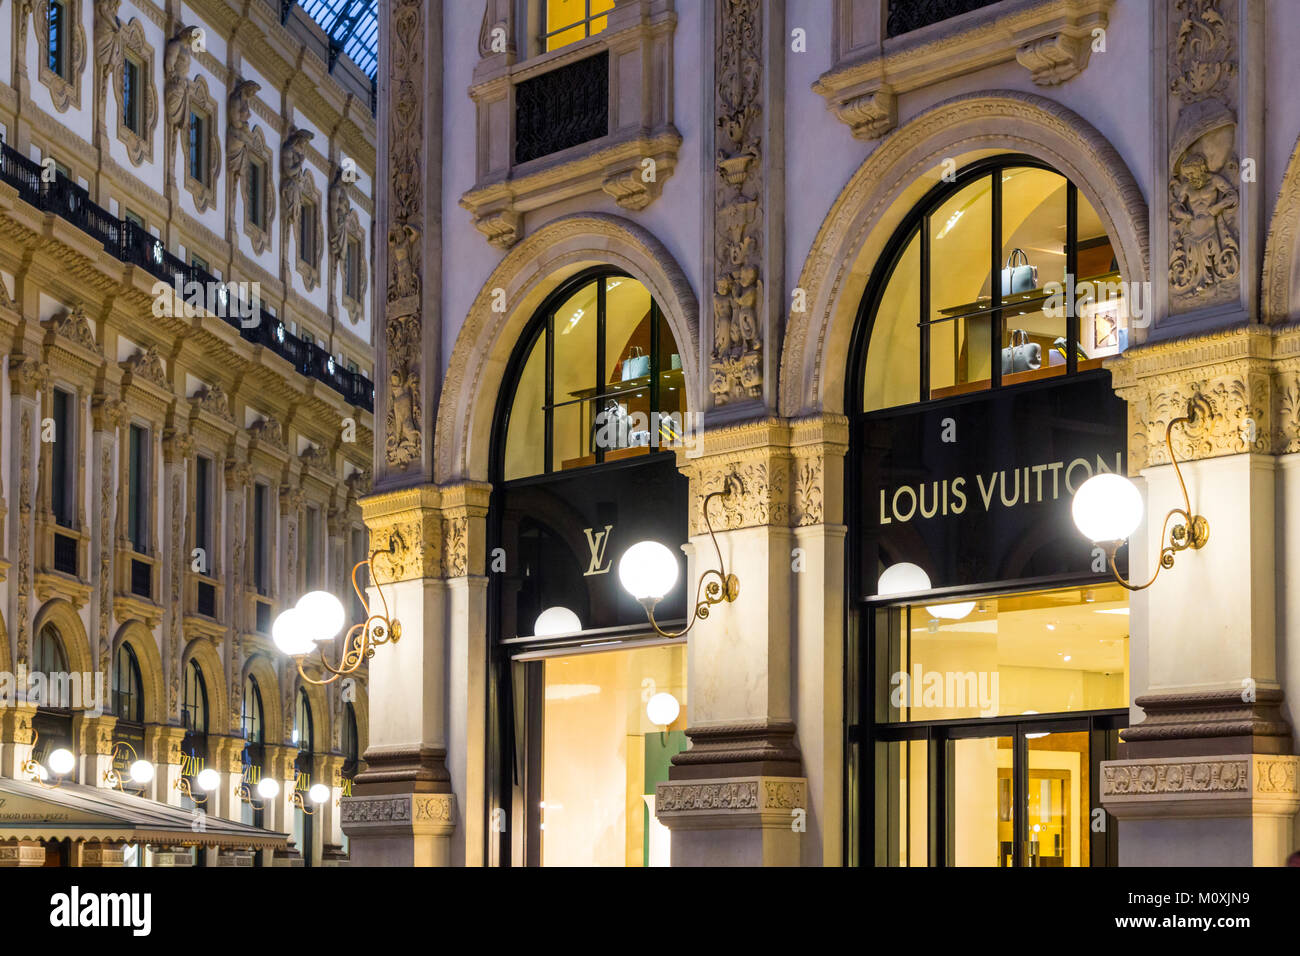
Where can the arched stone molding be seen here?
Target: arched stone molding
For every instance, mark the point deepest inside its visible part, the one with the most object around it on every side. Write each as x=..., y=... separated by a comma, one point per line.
x=908, y=163
x=268, y=684
x=1280, y=295
x=214, y=678
x=152, y=685
x=528, y=273
x=72, y=630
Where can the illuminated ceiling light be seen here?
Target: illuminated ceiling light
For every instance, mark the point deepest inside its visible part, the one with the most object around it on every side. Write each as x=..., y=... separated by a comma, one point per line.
x=557, y=620
x=951, y=612
x=902, y=578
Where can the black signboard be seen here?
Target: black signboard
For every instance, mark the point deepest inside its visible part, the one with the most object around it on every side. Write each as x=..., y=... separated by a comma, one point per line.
x=560, y=538
x=977, y=490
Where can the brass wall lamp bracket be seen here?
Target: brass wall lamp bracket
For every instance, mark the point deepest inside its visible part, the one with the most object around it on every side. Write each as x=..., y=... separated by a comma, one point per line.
x=716, y=585
x=1192, y=530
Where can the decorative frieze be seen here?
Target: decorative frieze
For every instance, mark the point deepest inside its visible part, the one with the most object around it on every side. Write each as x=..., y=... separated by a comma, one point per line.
x=1251, y=775
x=741, y=802
x=1243, y=382
x=421, y=813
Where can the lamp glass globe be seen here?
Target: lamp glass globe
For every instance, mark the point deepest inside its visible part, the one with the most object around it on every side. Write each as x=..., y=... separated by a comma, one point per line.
x=556, y=620
x=951, y=612
x=290, y=633
x=647, y=570
x=1107, y=507
x=318, y=793
x=662, y=709
x=61, y=762
x=268, y=787
x=141, y=771
x=209, y=780
x=902, y=578
x=321, y=614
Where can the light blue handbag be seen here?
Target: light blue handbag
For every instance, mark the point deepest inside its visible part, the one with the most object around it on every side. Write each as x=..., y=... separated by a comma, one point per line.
x=1019, y=275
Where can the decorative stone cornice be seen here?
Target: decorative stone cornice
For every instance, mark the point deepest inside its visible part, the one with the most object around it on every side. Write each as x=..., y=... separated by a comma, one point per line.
x=732, y=802
x=1244, y=382
x=1052, y=39
x=421, y=814
x=146, y=365
x=268, y=431
x=213, y=400
x=74, y=326
x=1201, y=786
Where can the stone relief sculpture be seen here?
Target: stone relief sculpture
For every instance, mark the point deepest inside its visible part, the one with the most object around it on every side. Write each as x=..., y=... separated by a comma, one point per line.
x=339, y=207
x=1204, y=250
x=108, y=49
x=404, y=318
x=177, y=86
x=240, y=146
x=737, y=361
x=293, y=156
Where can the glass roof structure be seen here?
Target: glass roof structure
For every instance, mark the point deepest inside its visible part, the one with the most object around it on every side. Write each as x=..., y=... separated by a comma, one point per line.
x=352, y=26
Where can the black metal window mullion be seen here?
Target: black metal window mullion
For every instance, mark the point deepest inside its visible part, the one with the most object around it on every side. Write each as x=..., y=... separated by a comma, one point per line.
x=600, y=363
x=995, y=284
x=1071, y=267
x=925, y=309
x=550, y=391
x=1020, y=794
x=654, y=373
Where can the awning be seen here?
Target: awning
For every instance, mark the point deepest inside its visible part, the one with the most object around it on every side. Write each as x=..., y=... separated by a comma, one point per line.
x=29, y=811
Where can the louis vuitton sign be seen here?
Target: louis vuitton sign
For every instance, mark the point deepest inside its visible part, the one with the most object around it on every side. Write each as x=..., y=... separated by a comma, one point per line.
x=977, y=490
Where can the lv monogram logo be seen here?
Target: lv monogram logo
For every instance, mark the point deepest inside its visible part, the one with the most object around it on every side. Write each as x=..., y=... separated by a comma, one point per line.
x=597, y=543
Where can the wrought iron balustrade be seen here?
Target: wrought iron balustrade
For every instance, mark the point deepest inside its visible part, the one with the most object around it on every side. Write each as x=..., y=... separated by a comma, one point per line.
x=908, y=15
x=562, y=108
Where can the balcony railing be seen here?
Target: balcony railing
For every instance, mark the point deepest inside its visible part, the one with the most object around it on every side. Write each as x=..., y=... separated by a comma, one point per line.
x=128, y=242
x=908, y=15
x=562, y=108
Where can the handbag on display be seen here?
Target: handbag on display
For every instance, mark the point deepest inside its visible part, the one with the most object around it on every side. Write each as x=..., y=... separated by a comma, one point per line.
x=636, y=365
x=1023, y=355
x=611, y=422
x=1019, y=275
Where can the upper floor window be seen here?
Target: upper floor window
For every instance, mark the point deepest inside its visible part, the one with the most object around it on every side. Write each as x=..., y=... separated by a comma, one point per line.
x=57, y=37
x=351, y=741
x=63, y=490
x=352, y=269
x=194, y=700
x=257, y=193
x=974, y=291
x=135, y=219
x=250, y=720
x=138, y=490
x=261, y=570
x=308, y=239
x=203, y=509
x=132, y=91
x=128, y=701
x=568, y=21
x=601, y=376
x=199, y=131
x=199, y=262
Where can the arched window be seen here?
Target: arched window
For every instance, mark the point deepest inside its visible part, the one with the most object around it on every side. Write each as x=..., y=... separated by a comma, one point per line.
x=600, y=379
x=48, y=656
x=976, y=289
x=128, y=701
x=194, y=700
x=302, y=728
x=250, y=718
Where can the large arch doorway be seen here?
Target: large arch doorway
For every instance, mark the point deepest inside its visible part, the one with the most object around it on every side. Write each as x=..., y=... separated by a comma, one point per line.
x=987, y=651
x=592, y=406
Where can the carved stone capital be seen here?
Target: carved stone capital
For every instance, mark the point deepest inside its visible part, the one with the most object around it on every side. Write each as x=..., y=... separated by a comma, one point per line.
x=406, y=529
x=1055, y=58
x=108, y=414
x=27, y=375
x=1243, y=383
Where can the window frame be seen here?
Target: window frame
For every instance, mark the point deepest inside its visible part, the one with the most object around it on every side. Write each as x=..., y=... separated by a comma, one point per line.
x=56, y=38
x=131, y=699
x=540, y=331
x=261, y=521
x=918, y=219
x=546, y=33
x=63, y=465
x=195, y=684
x=132, y=107
x=139, y=460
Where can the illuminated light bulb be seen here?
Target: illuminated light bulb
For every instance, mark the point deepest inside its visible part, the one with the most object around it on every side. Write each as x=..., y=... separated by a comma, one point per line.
x=141, y=771
x=321, y=615
x=662, y=709
x=318, y=793
x=61, y=762
x=209, y=780
x=268, y=788
x=1107, y=507
x=647, y=570
x=556, y=620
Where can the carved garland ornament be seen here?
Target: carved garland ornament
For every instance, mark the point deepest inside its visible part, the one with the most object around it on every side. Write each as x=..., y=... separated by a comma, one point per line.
x=737, y=362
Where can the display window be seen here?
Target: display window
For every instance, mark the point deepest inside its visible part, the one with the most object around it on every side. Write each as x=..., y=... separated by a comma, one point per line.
x=587, y=701
x=988, y=648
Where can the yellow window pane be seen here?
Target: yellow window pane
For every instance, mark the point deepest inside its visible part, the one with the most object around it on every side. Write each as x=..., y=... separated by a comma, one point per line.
x=598, y=24
x=562, y=13
x=526, y=435
x=565, y=37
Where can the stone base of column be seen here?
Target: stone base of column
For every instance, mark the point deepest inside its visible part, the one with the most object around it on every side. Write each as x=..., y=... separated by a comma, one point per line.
x=400, y=829
x=1206, y=780
x=21, y=853
x=759, y=748
x=332, y=855
x=734, y=821
x=287, y=857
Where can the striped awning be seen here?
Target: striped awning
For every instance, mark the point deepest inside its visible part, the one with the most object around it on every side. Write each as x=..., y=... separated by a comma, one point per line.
x=29, y=811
